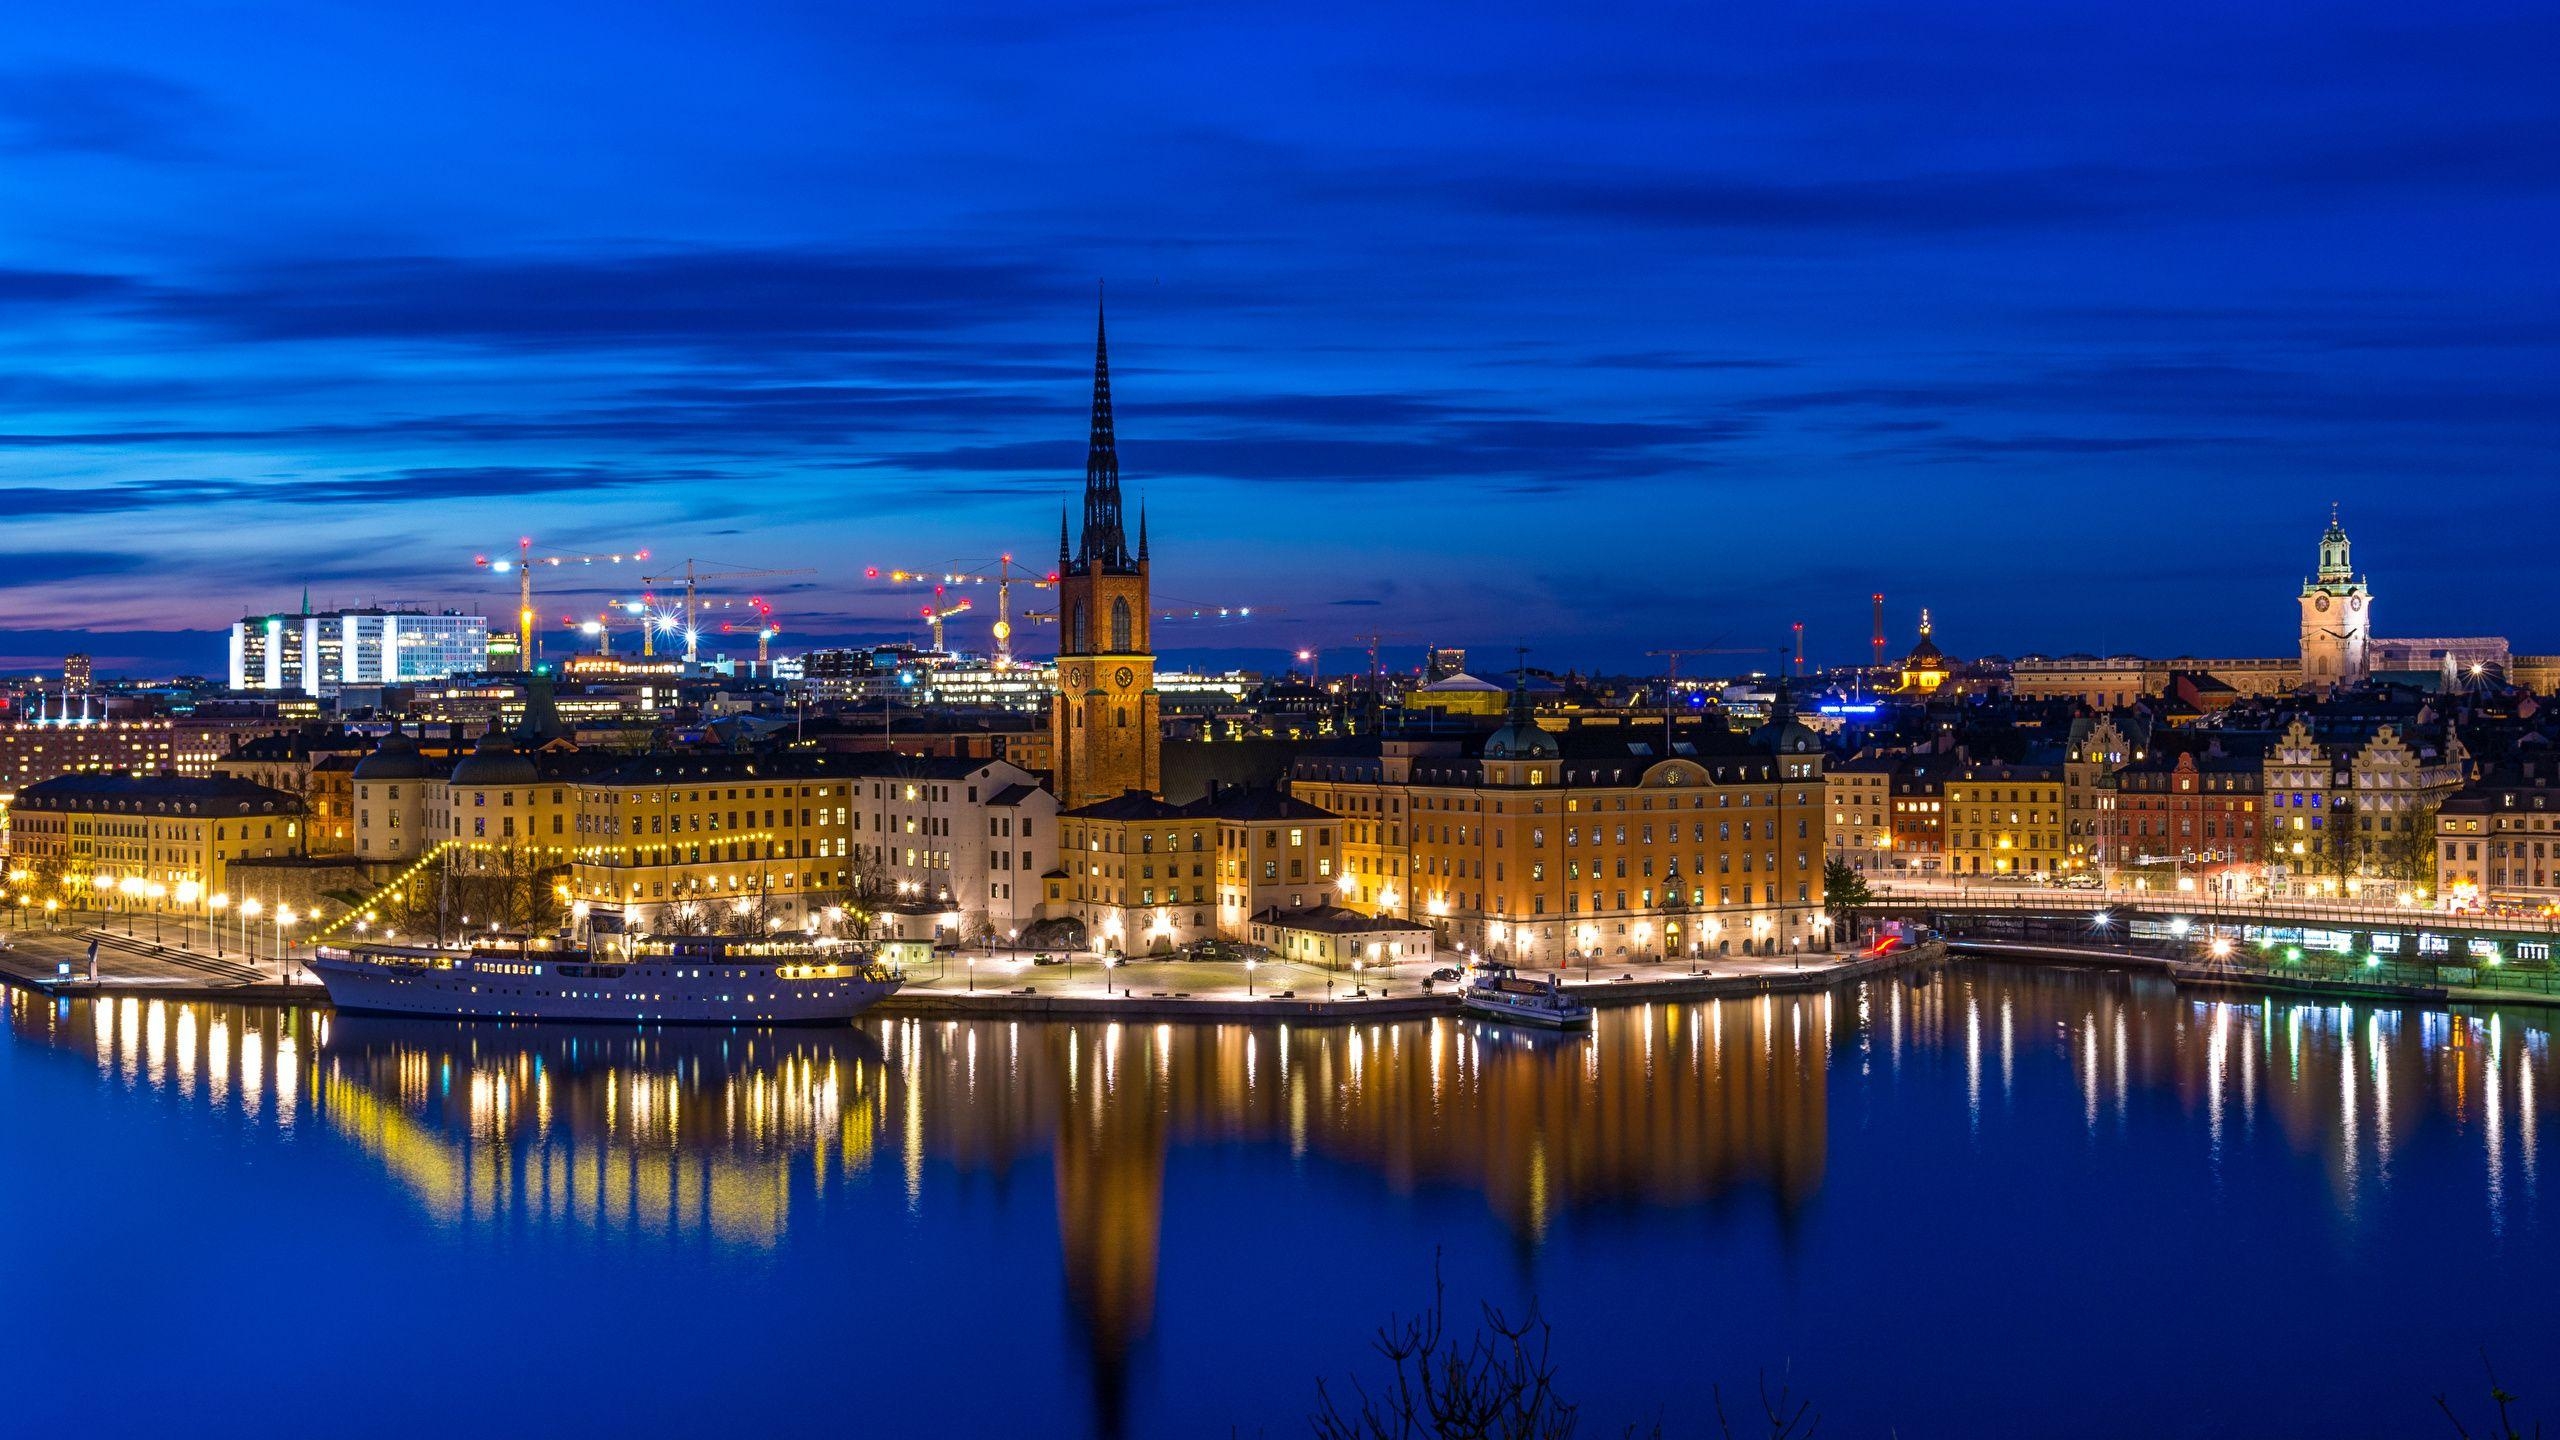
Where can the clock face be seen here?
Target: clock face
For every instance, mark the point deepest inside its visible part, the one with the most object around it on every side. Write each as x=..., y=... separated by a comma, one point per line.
x=2321, y=604
x=2355, y=602
x=1123, y=676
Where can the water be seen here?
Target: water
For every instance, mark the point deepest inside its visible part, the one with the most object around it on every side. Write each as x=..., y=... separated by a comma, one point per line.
x=1989, y=1204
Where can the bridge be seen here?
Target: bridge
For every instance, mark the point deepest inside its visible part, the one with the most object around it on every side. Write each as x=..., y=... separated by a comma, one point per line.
x=2306, y=944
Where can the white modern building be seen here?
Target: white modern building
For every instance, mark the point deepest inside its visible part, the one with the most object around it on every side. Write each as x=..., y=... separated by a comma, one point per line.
x=319, y=654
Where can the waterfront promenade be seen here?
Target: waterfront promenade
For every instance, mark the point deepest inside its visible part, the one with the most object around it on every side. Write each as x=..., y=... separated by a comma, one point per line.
x=976, y=982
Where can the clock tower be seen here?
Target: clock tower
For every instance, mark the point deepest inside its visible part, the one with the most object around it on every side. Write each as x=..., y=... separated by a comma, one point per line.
x=1102, y=722
x=2337, y=616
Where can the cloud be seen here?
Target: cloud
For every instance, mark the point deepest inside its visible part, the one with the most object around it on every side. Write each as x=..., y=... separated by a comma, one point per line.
x=422, y=485
x=744, y=299
x=1673, y=360
x=1926, y=204
x=59, y=287
x=1518, y=454
x=101, y=110
x=23, y=568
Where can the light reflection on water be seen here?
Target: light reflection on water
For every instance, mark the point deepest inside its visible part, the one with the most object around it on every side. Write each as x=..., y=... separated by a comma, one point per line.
x=735, y=1136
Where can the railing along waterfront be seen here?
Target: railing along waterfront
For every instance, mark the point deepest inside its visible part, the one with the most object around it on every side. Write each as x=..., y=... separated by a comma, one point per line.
x=2199, y=908
x=2276, y=943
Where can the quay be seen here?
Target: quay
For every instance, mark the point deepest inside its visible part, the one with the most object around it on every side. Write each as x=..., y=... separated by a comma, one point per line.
x=965, y=985
x=1214, y=991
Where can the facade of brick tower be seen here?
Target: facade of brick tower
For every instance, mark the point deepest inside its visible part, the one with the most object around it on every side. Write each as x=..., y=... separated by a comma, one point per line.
x=1103, y=722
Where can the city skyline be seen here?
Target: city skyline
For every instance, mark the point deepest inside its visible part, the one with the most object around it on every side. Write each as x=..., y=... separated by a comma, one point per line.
x=345, y=306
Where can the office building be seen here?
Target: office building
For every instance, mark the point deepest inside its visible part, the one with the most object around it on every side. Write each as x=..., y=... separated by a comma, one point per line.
x=318, y=654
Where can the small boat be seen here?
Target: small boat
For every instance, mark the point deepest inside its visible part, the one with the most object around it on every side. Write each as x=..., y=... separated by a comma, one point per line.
x=666, y=979
x=1498, y=992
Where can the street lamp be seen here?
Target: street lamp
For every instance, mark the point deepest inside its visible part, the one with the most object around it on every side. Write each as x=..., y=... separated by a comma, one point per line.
x=1248, y=977
x=216, y=904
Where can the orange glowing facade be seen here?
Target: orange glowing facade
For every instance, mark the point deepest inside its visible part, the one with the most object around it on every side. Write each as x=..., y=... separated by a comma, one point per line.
x=1539, y=858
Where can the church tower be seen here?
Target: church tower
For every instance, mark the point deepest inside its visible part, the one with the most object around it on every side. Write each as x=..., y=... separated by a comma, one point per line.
x=2337, y=616
x=1102, y=722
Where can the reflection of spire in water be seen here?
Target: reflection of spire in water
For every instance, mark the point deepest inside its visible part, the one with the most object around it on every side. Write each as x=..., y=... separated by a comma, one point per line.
x=1110, y=1178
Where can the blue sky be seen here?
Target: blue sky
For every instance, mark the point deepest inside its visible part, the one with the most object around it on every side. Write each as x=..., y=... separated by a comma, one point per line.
x=1595, y=329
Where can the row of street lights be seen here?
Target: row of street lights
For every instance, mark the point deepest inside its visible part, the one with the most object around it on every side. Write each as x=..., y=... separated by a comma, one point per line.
x=138, y=894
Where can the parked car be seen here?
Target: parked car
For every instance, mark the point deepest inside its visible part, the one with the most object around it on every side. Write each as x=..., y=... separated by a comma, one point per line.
x=1448, y=973
x=2081, y=880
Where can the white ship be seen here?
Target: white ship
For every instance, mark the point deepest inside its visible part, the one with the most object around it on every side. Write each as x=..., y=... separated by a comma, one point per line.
x=677, y=980
x=1497, y=992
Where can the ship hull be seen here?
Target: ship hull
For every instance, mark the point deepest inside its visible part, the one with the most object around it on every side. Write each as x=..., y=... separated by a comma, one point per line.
x=631, y=993
x=1543, y=1019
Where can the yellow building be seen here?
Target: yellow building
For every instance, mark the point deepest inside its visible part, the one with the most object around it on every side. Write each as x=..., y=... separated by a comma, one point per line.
x=2006, y=819
x=145, y=842
x=1140, y=874
x=1858, y=801
x=671, y=843
x=1517, y=849
x=1459, y=694
x=1145, y=875
x=655, y=843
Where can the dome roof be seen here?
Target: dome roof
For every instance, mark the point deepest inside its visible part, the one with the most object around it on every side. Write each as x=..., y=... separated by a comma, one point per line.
x=1520, y=740
x=1461, y=683
x=494, y=762
x=1925, y=656
x=396, y=758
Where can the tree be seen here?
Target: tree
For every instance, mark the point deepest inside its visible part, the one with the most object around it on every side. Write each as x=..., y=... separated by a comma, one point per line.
x=2408, y=851
x=1844, y=892
x=1498, y=1382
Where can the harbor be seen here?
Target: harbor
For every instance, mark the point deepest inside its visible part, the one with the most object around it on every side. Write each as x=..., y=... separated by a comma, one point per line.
x=1152, y=1192
x=999, y=983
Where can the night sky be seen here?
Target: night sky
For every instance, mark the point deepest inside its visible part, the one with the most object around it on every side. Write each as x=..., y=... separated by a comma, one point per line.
x=1594, y=328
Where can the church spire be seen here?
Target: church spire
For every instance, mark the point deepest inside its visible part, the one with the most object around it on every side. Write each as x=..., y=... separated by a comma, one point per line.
x=1106, y=542
x=1142, y=529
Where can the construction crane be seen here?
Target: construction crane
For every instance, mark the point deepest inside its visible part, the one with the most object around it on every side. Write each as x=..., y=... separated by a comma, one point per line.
x=975, y=573
x=599, y=629
x=1000, y=572
x=937, y=612
x=696, y=571
x=764, y=627
x=523, y=563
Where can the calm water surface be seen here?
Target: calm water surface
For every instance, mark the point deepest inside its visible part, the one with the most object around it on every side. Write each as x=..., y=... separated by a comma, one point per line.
x=1977, y=1205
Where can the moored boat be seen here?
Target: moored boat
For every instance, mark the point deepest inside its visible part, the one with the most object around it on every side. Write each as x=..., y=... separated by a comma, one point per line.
x=669, y=979
x=1498, y=992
